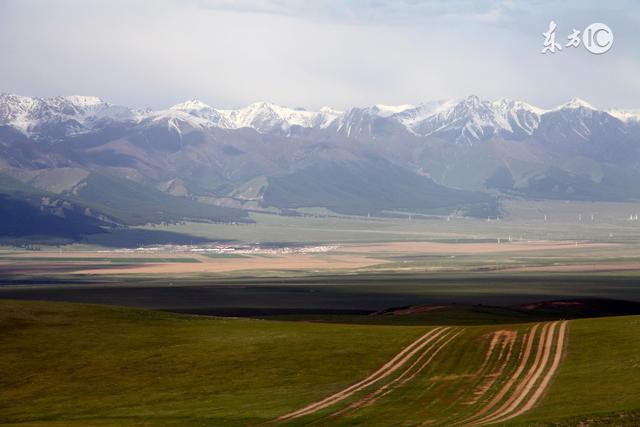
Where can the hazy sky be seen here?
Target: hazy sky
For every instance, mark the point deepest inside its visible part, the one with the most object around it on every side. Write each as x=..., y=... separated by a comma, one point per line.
x=309, y=53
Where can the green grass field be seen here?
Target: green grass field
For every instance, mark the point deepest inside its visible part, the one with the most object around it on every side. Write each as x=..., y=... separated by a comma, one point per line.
x=83, y=365
x=315, y=357
x=599, y=380
x=520, y=220
x=65, y=364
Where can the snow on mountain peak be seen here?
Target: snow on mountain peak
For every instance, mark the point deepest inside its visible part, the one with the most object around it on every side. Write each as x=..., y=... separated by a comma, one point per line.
x=575, y=103
x=465, y=120
x=383, y=110
x=194, y=112
x=267, y=117
x=191, y=105
x=472, y=119
x=262, y=116
x=75, y=114
x=329, y=110
x=411, y=116
x=84, y=101
x=471, y=101
x=626, y=115
x=510, y=104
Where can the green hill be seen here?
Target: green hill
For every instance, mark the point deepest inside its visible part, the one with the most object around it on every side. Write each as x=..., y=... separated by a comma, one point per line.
x=134, y=204
x=372, y=187
x=97, y=201
x=79, y=365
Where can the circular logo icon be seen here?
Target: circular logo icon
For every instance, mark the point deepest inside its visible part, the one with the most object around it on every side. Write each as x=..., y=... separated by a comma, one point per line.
x=597, y=38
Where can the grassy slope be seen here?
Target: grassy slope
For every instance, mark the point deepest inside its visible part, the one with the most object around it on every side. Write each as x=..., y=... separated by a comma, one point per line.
x=135, y=204
x=80, y=364
x=436, y=395
x=371, y=187
x=597, y=384
x=600, y=375
x=65, y=364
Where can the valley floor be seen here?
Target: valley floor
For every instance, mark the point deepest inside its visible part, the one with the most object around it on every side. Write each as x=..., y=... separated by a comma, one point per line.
x=393, y=256
x=331, y=321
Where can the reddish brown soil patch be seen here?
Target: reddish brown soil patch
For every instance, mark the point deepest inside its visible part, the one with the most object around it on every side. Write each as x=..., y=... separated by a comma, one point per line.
x=551, y=304
x=405, y=311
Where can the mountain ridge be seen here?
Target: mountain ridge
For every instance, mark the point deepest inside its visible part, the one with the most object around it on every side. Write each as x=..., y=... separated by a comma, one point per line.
x=470, y=119
x=195, y=162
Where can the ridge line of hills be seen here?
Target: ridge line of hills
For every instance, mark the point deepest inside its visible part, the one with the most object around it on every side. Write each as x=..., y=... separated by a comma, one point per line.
x=84, y=160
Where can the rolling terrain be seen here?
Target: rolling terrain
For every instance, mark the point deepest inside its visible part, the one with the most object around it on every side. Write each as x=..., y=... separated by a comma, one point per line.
x=114, y=366
x=526, y=320
x=278, y=213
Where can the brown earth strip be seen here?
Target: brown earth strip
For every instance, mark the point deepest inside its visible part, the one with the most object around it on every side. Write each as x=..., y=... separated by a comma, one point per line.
x=387, y=369
x=544, y=347
x=387, y=388
x=508, y=341
x=538, y=360
x=517, y=395
x=510, y=409
x=280, y=262
x=505, y=389
x=547, y=378
x=435, y=353
x=390, y=387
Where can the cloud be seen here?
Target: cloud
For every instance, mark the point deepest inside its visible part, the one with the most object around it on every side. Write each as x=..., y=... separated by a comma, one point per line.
x=311, y=54
x=399, y=12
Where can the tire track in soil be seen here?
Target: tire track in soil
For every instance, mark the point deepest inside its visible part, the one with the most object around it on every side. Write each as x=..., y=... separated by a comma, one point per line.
x=387, y=369
x=544, y=383
x=531, y=388
x=512, y=380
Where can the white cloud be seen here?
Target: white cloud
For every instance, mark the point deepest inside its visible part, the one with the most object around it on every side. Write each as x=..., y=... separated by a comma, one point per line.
x=337, y=53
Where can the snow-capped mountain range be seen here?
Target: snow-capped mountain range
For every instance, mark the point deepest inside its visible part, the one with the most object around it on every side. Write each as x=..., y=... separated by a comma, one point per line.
x=465, y=121
x=115, y=164
x=79, y=113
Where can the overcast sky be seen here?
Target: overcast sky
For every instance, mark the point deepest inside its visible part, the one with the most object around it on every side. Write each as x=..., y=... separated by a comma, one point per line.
x=314, y=53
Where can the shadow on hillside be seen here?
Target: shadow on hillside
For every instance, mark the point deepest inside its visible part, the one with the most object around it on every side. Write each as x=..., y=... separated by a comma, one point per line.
x=135, y=237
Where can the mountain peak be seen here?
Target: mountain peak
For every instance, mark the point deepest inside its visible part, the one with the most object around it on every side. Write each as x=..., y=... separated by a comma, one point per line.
x=625, y=115
x=263, y=105
x=509, y=103
x=329, y=110
x=384, y=110
x=466, y=120
x=84, y=101
x=576, y=103
x=190, y=105
x=472, y=100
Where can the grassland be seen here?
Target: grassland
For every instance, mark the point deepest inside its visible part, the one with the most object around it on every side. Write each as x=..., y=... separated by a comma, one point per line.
x=526, y=220
x=68, y=364
x=608, y=350
x=82, y=365
x=86, y=365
